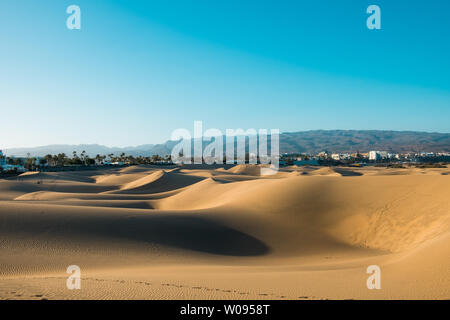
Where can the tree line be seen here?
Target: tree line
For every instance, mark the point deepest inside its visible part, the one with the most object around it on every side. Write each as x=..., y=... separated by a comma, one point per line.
x=83, y=159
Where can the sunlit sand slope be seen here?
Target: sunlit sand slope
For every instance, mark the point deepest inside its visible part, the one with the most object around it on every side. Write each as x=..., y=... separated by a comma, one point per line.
x=305, y=233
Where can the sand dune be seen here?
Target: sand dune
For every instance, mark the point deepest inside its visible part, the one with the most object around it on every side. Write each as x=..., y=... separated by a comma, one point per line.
x=305, y=233
x=246, y=169
x=326, y=171
x=159, y=181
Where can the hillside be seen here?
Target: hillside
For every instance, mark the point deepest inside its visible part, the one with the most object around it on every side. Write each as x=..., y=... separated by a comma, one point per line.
x=363, y=141
x=290, y=142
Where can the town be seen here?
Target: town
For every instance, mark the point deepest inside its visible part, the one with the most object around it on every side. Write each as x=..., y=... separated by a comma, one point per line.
x=62, y=162
x=379, y=158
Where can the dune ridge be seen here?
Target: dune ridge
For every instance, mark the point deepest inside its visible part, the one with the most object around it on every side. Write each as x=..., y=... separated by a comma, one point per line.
x=304, y=232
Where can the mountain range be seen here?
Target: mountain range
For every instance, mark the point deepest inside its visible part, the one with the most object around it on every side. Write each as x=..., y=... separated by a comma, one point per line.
x=311, y=142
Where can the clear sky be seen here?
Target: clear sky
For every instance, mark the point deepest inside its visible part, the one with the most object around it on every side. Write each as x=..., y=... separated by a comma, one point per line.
x=137, y=70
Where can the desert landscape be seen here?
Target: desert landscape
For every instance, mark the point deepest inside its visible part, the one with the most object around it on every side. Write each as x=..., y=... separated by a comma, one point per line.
x=196, y=232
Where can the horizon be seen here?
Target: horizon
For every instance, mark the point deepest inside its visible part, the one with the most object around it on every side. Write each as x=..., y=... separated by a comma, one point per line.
x=163, y=142
x=136, y=71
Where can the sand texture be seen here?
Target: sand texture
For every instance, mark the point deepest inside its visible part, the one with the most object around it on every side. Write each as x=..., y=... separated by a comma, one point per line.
x=148, y=232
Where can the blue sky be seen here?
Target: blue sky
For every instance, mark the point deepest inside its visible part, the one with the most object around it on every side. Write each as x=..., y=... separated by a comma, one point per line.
x=137, y=70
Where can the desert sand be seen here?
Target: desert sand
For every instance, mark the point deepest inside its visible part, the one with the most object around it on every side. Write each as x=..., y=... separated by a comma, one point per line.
x=144, y=232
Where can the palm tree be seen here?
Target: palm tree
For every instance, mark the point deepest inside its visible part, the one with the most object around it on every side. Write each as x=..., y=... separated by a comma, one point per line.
x=55, y=160
x=98, y=158
x=83, y=157
x=49, y=159
x=62, y=158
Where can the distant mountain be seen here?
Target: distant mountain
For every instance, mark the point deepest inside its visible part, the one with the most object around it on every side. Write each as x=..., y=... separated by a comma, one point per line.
x=92, y=150
x=363, y=141
x=290, y=142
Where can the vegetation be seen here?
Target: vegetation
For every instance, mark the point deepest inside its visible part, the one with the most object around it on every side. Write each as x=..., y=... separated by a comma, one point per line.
x=83, y=159
x=396, y=166
x=431, y=165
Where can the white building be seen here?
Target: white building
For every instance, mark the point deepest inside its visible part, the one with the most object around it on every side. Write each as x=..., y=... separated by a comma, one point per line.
x=323, y=154
x=335, y=156
x=341, y=156
x=374, y=155
x=383, y=154
x=13, y=168
x=9, y=167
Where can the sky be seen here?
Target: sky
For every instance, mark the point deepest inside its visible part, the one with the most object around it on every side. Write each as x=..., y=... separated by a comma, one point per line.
x=138, y=70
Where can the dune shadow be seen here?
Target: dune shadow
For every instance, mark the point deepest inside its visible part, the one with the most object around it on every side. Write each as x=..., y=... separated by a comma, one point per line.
x=168, y=182
x=35, y=186
x=177, y=231
x=193, y=233
x=347, y=173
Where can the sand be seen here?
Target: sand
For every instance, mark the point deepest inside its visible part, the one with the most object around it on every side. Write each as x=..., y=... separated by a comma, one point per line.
x=147, y=232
